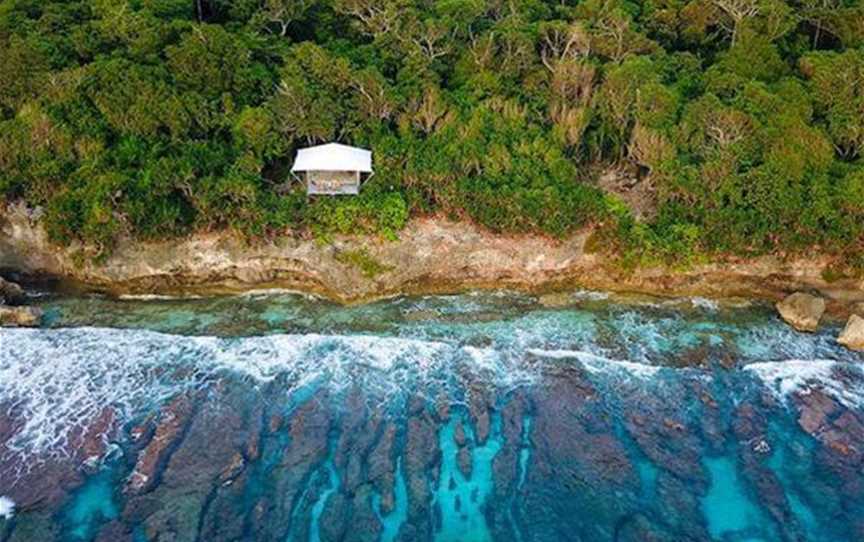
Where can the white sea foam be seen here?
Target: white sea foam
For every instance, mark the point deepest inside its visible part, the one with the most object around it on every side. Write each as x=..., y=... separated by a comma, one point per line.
x=590, y=295
x=599, y=364
x=55, y=381
x=155, y=297
x=268, y=292
x=704, y=303
x=784, y=378
x=7, y=507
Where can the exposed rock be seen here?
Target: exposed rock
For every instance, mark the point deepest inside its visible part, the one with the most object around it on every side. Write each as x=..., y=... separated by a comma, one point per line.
x=114, y=532
x=20, y=316
x=421, y=315
x=802, y=311
x=35, y=484
x=816, y=408
x=171, y=423
x=430, y=256
x=233, y=469
x=858, y=308
x=11, y=293
x=459, y=434
x=464, y=461
x=852, y=336
x=90, y=441
x=555, y=300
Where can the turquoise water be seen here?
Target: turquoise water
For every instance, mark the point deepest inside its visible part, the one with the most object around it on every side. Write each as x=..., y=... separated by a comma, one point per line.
x=730, y=512
x=91, y=505
x=318, y=508
x=391, y=523
x=480, y=417
x=460, y=498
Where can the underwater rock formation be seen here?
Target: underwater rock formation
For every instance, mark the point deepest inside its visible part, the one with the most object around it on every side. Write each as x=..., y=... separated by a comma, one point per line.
x=566, y=424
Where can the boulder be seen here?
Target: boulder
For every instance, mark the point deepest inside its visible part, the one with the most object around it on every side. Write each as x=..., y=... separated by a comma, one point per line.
x=20, y=316
x=852, y=336
x=802, y=311
x=11, y=293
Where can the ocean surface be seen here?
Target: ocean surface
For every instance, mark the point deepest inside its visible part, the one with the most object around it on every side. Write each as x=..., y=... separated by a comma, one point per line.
x=275, y=416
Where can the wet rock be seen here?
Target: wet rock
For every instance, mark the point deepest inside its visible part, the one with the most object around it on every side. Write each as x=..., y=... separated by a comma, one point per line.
x=681, y=504
x=233, y=469
x=750, y=426
x=202, y=473
x=802, y=311
x=459, y=434
x=274, y=423
x=508, y=478
x=141, y=433
x=421, y=315
x=296, y=453
x=845, y=436
x=639, y=528
x=91, y=442
x=364, y=525
x=421, y=454
x=34, y=527
x=252, y=448
x=32, y=484
x=852, y=336
x=712, y=422
x=479, y=404
x=748, y=423
x=171, y=423
x=575, y=453
x=555, y=300
x=332, y=525
x=20, y=316
x=465, y=462
x=359, y=428
x=442, y=409
x=815, y=409
x=11, y=293
x=114, y=532
x=840, y=432
x=667, y=442
x=380, y=468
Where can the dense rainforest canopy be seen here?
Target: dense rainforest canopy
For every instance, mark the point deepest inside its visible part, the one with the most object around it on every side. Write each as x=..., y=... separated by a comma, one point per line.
x=156, y=118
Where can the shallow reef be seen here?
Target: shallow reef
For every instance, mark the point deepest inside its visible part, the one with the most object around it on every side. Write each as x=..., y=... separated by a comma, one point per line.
x=484, y=417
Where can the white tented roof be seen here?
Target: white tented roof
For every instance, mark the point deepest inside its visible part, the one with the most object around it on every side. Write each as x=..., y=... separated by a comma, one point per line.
x=333, y=157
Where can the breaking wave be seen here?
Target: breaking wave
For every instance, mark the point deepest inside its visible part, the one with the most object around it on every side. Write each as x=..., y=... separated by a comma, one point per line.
x=7, y=508
x=57, y=381
x=843, y=381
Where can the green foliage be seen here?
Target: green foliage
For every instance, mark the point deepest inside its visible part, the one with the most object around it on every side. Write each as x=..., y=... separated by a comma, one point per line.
x=147, y=118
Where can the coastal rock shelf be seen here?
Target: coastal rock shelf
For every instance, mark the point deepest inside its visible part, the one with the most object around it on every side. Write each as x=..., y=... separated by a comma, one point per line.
x=429, y=256
x=442, y=418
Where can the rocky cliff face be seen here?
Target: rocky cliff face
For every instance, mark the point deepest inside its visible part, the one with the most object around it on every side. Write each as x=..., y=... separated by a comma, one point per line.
x=429, y=256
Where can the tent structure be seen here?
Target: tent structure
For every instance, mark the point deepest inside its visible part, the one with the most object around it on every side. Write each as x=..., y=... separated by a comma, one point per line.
x=333, y=169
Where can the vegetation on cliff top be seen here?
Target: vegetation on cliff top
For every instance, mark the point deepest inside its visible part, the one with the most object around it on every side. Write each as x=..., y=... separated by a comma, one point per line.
x=160, y=117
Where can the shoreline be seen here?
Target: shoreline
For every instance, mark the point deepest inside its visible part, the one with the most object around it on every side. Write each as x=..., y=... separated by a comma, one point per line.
x=430, y=257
